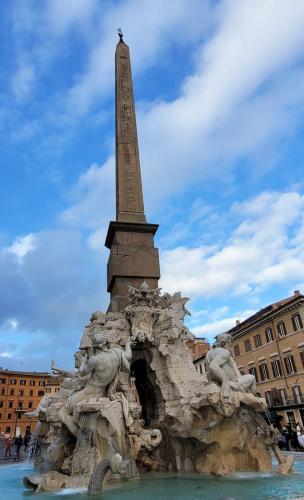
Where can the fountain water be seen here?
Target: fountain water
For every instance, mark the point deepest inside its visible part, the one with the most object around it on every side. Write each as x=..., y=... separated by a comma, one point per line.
x=34, y=446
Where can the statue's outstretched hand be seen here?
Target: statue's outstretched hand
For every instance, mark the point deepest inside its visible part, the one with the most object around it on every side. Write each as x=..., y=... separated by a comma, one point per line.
x=82, y=358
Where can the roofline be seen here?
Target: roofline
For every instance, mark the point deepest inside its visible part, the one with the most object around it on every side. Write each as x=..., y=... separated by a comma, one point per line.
x=260, y=318
x=30, y=374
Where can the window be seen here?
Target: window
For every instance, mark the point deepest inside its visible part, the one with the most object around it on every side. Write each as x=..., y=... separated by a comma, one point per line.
x=302, y=357
x=297, y=322
x=19, y=415
x=3, y=392
x=0, y=416
x=297, y=394
x=2, y=380
x=32, y=382
x=276, y=368
x=57, y=389
x=282, y=396
x=264, y=372
x=31, y=392
x=290, y=364
x=275, y=397
x=30, y=404
x=257, y=340
x=10, y=404
x=12, y=392
x=253, y=371
x=269, y=335
x=282, y=329
x=40, y=393
x=9, y=416
x=268, y=398
x=242, y=372
x=48, y=389
x=236, y=351
x=22, y=382
x=1, y=404
x=247, y=345
x=291, y=418
x=20, y=404
x=41, y=382
x=21, y=392
x=7, y=430
x=13, y=381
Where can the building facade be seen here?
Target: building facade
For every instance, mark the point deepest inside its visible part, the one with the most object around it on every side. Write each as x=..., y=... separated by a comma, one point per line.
x=270, y=346
x=21, y=392
x=199, y=348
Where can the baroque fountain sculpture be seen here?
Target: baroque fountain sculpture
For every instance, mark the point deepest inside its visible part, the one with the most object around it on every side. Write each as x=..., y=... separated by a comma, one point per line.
x=135, y=401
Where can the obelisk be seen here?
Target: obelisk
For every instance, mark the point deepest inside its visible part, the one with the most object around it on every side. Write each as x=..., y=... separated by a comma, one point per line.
x=133, y=257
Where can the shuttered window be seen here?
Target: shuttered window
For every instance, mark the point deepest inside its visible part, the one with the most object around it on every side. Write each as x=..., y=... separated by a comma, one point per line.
x=257, y=340
x=297, y=322
x=269, y=335
x=282, y=329
x=247, y=345
x=264, y=372
x=290, y=364
x=276, y=368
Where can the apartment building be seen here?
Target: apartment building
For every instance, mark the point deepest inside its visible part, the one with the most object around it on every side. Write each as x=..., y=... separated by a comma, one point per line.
x=20, y=392
x=199, y=348
x=270, y=346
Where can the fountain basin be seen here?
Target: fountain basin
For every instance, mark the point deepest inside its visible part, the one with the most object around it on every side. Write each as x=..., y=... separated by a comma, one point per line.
x=252, y=486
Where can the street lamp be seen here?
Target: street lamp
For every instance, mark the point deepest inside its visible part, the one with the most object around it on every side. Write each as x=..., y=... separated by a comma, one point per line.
x=17, y=411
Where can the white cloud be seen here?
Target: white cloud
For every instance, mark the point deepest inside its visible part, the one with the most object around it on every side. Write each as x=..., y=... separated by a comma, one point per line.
x=241, y=99
x=6, y=354
x=260, y=251
x=61, y=16
x=21, y=246
x=149, y=37
x=13, y=324
x=210, y=329
x=92, y=197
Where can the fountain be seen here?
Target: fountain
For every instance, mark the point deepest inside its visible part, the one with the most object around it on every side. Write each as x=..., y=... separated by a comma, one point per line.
x=135, y=403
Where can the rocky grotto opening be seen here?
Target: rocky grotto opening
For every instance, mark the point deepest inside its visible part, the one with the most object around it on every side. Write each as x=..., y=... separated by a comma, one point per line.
x=148, y=392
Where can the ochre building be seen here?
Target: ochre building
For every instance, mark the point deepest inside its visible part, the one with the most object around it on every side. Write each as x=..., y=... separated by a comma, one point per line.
x=270, y=345
x=20, y=392
x=199, y=348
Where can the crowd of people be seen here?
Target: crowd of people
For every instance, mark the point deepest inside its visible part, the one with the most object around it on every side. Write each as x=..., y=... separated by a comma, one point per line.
x=292, y=438
x=16, y=444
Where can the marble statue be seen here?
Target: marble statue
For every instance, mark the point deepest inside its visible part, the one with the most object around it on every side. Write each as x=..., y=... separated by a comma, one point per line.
x=102, y=369
x=135, y=394
x=222, y=369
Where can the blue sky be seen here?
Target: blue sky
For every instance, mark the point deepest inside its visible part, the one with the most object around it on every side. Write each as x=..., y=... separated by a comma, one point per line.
x=219, y=88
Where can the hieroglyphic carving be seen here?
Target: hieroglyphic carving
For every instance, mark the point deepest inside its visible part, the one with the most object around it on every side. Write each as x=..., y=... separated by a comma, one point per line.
x=128, y=160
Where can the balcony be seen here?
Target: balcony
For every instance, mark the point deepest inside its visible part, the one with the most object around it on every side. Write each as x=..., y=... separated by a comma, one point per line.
x=287, y=402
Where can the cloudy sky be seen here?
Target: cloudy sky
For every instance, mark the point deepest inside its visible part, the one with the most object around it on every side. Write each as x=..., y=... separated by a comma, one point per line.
x=219, y=88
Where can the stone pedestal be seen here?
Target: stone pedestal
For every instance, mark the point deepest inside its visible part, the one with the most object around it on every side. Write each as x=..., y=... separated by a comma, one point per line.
x=133, y=259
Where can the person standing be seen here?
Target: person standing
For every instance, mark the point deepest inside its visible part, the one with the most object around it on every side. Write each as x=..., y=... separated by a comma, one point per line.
x=18, y=443
x=8, y=445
